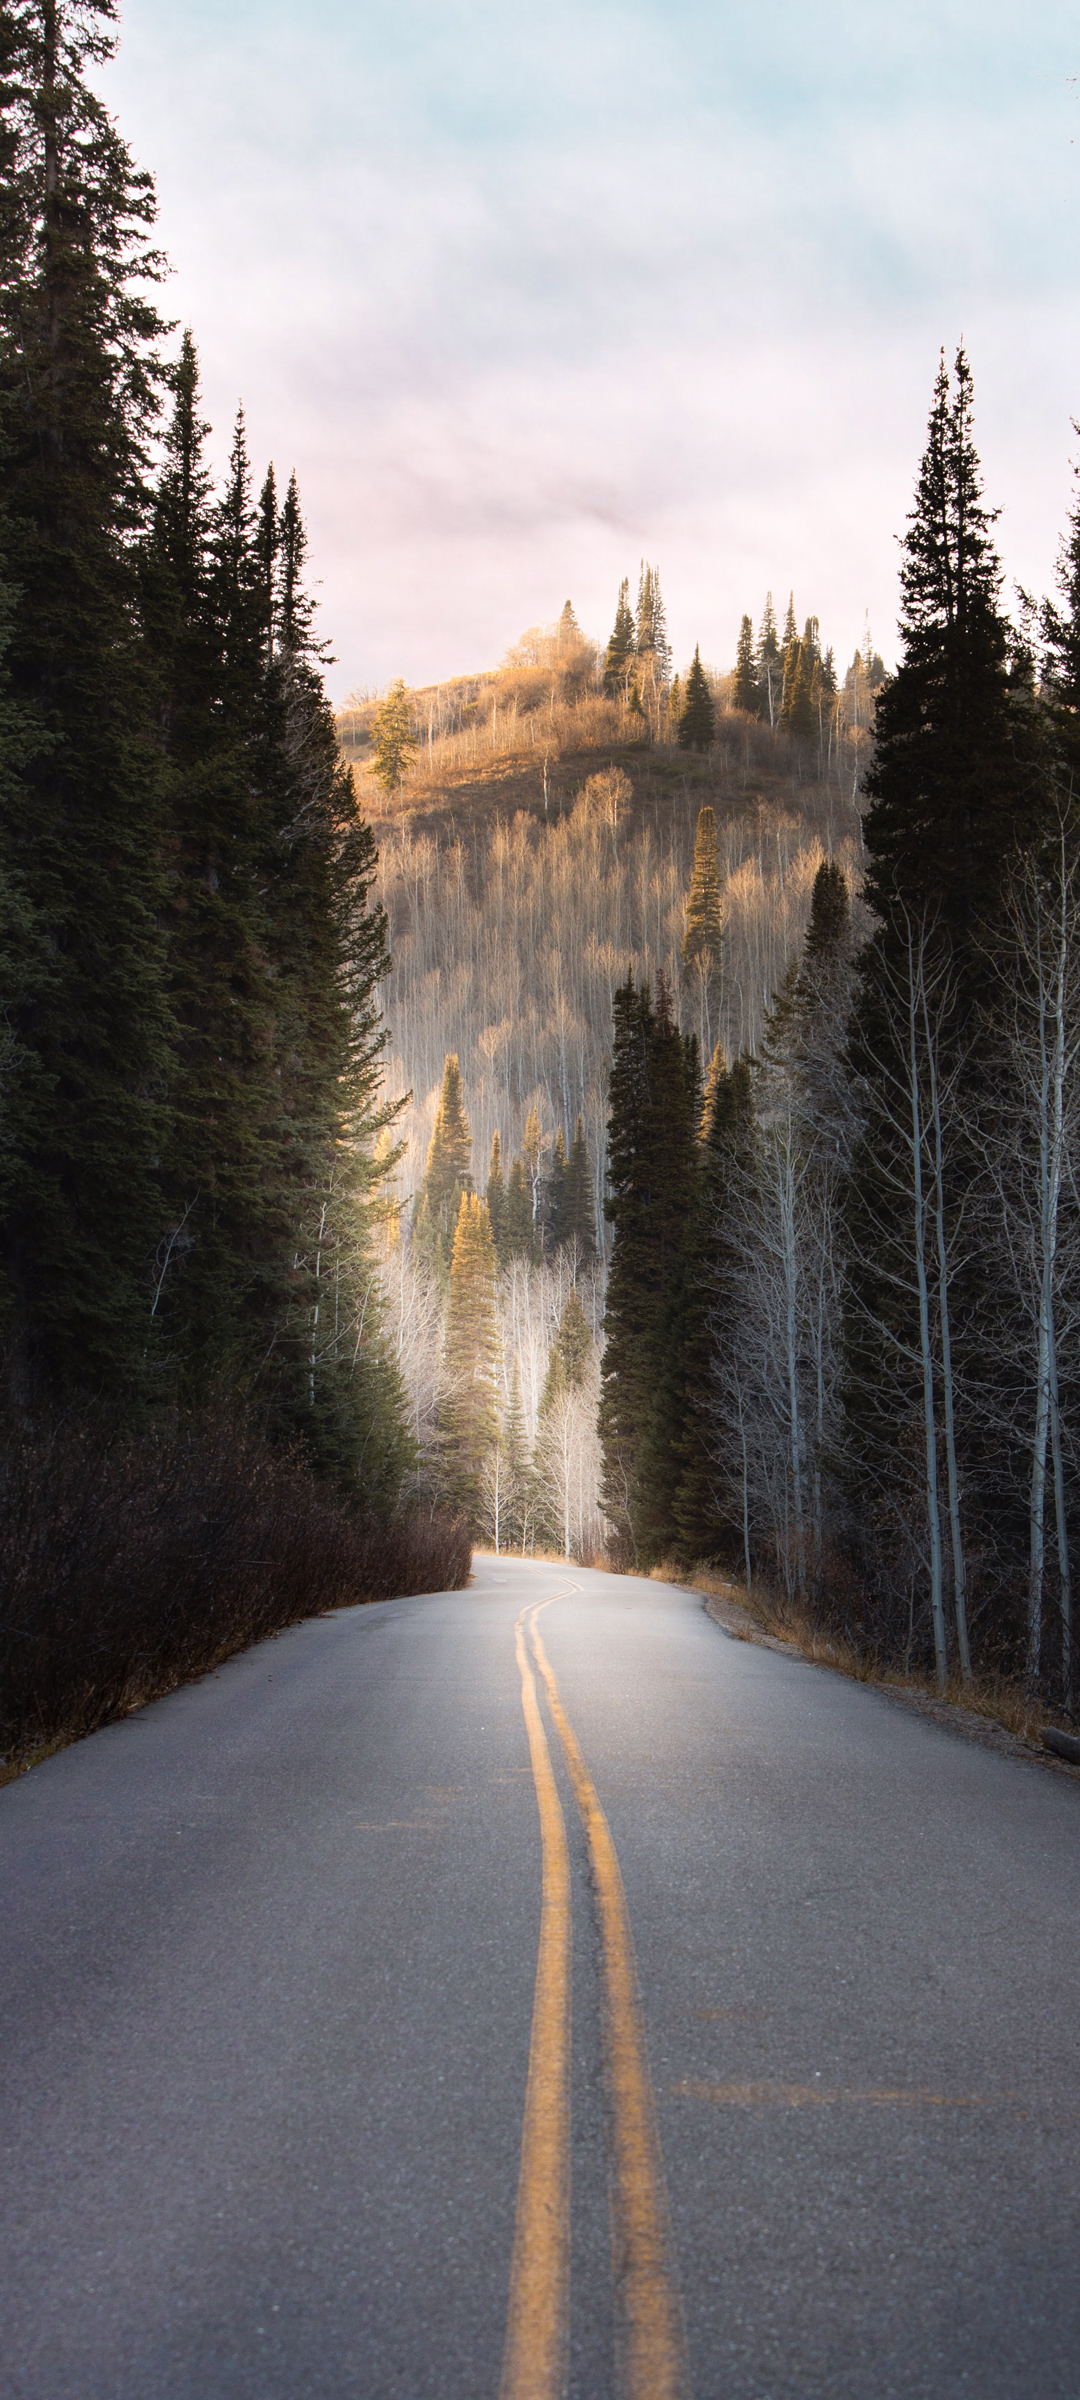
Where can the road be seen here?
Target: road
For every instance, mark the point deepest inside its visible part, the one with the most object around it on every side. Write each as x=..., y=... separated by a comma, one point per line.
x=534, y=1989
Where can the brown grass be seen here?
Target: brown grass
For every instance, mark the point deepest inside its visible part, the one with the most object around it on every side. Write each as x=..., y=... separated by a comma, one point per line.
x=130, y=1566
x=999, y=1699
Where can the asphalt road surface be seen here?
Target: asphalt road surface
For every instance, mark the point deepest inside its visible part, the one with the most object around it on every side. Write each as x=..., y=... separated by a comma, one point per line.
x=535, y=1990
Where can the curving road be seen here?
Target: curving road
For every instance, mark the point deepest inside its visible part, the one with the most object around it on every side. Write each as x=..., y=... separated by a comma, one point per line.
x=534, y=1990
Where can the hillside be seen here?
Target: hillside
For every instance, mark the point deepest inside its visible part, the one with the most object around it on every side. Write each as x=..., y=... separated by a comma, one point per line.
x=540, y=843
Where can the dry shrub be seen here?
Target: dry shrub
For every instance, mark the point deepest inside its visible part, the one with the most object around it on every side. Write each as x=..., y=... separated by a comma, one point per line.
x=128, y=1566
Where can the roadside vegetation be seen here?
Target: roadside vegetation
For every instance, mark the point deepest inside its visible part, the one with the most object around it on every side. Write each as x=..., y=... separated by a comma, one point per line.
x=128, y=1566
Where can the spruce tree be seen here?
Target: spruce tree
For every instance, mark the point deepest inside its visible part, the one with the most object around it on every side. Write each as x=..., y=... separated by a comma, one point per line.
x=651, y=1167
x=574, y=1342
x=555, y=1193
x=620, y=649
x=580, y=1235
x=650, y=629
x=746, y=690
x=956, y=780
x=520, y=1234
x=769, y=665
x=495, y=1197
x=703, y=935
x=799, y=715
x=84, y=1002
x=697, y=723
x=514, y=1448
x=704, y=1514
x=468, y=1416
x=394, y=741
x=446, y=1174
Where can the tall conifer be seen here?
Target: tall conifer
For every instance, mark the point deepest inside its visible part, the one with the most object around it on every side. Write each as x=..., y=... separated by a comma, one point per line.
x=446, y=1174
x=697, y=722
x=468, y=1407
x=89, y=1032
x=620, y=649
x=746, y=690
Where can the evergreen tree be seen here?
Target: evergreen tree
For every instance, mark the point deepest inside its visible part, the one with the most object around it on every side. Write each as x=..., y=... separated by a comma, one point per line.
x=697, y=724
x=620, y=649
x=703, y=935
x=84, y=1003
x=799, y=715
x=555, y=1193
x=956, y=780
x=520, y=1234
x=495, y=1197
x=674, y=707
x=747, y=672
x=650, y=629
x=446, y=1174
x=830, y=912
x=574, y=1343
x=651, y=1168
x=568, y=634
x=704, y=1507
x=394, y=740
x=221, y=1261
x=580, y=1219
x=468, y=1407
x=789, y=657
x=769, y=665
x=515, y=1476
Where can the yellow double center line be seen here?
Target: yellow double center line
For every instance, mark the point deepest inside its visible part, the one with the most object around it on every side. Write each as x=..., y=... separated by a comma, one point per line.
x=652, y=2344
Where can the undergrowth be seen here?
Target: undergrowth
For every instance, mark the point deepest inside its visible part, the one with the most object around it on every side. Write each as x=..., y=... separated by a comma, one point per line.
x=128, y=1566
x=999, y=1698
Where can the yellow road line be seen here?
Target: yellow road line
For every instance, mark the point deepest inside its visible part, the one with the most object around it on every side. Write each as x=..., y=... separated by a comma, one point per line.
x=537, y=2327
x=653, y=2345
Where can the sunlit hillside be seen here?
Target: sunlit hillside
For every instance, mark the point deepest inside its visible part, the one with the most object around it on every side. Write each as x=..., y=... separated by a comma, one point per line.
x=539, y=844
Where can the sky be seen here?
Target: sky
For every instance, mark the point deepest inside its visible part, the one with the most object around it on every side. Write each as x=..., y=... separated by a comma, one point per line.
x=527, y=294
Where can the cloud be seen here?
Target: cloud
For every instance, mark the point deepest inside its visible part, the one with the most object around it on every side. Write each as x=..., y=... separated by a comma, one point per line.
x=526, y=295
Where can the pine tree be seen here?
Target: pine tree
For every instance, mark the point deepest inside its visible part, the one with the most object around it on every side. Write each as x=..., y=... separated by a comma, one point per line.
x=651, y=1165
x=446, y=1174
x=703, y=936
x=799, y=715
x=705, y=1517
x=520, y=1234
x=394, y=740
x=957, y=778
x=697, y=724
x=555, y=1193
x=515, y=1468
x=84, y=1003
x=495, y=1197
x=580, y=1235
x=769, y=665
x=620, y=649
x=568, y=634
x=574, y=1343
x=830, y=912
x=468, y=1408
x=650, y=629
x=747, y=673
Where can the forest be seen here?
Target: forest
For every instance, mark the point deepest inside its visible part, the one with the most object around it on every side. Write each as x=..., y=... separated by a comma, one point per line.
x=788, y=962
x=600, y=1105
x=196, y=1382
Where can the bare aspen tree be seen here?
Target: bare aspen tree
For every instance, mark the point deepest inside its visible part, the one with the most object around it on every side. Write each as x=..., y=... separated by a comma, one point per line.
x=1032, y=1140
